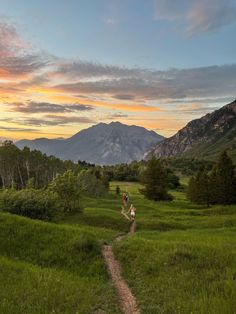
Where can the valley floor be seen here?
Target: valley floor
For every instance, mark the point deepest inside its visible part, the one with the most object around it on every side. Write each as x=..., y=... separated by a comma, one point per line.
x=182, y=258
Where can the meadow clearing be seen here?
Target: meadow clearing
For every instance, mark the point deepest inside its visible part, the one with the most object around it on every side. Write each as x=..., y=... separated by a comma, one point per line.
x=182, y=258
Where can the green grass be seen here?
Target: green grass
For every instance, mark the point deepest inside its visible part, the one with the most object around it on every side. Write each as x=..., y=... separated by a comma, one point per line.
x=26, y=288
x=187, y=262
x=190, y=271
x=51, y=268
x=100, y=212
x=182, y=259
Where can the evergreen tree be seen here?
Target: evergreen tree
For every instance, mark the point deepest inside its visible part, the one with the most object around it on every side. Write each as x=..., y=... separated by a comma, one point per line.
x=203, y=188
x=199, y=188
x=155, y=181
x=191, y=191
x=214, y=186
x=223, y=181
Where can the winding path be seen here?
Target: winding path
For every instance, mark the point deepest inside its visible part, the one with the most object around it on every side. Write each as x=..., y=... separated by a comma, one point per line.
x=128, y=302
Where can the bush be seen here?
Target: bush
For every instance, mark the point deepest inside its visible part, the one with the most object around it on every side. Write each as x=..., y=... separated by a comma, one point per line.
x=35, y=204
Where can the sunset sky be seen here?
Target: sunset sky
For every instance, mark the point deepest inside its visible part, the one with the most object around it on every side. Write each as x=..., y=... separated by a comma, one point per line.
x=68, y=64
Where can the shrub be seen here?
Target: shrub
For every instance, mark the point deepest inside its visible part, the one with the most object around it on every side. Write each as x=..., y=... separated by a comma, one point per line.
x=35, y=204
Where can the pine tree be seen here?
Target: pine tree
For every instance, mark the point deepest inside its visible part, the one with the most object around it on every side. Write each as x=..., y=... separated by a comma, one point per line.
x=155, y=181
x=191, y=191
x=223, y=181
x=203, y=186
x=214, y=186
x=199, y=188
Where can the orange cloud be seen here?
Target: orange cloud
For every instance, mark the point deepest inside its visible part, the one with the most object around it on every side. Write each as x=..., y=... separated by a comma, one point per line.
x=62, y=97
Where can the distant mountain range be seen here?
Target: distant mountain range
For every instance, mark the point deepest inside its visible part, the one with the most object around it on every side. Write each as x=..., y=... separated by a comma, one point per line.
x=100, y=144
x=202, y=138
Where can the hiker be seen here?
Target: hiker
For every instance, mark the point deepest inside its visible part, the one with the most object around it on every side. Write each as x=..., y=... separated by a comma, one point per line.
x=132, y=211
x=117, y=190
x=124, y=199
x=127, y=198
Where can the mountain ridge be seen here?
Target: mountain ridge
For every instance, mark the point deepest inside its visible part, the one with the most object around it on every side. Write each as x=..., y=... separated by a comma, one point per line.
x=100, y=144
x=205, y=136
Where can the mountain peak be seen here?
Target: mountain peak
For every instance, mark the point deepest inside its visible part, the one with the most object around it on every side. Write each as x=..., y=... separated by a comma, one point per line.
x=103, y=143
x=116, y=123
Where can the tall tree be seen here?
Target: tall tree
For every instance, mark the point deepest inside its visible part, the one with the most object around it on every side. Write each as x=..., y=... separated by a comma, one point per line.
x=199, y=188
x=17, y=167
x=223, y=181
x=192, y=190
x=155, y=181
x=66, y=187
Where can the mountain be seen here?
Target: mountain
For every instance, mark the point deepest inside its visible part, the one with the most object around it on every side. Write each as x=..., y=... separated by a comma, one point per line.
x=100, y=144
x=204, y=137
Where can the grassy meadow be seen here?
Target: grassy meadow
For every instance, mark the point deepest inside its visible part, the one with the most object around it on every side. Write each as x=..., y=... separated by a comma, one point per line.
x=182, y=258
x=52, y=268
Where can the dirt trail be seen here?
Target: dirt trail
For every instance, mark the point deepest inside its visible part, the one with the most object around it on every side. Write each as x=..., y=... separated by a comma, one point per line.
x=127, y=299
x=132, y=227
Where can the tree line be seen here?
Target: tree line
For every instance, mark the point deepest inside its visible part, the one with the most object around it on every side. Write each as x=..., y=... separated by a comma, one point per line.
x=39, y=186
x=215, y=187
x=19, y=168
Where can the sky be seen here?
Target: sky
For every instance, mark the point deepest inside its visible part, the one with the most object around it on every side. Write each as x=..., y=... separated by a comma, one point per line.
x=66, y=65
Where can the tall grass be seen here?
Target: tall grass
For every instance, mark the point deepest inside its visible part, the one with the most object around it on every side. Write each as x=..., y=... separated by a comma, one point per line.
x=187, y=262
x=49, y=268
x=30, y=289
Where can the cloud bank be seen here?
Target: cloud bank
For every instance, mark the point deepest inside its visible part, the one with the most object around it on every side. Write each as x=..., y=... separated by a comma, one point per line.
x=145, y=85
x=44, y=107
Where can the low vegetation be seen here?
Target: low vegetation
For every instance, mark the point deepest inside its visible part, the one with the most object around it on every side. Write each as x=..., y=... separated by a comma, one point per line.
x=35, y=204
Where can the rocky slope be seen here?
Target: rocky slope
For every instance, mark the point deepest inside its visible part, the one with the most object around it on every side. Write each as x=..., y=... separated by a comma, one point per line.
x=204, y=137
x=100, y=144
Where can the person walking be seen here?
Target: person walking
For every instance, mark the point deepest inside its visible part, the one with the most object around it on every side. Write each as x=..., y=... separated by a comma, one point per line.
x=124, y=199
x=132, y=212
x=127, y=198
